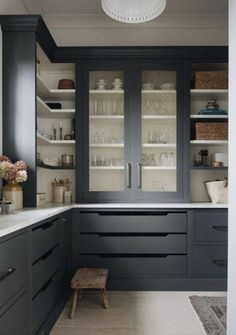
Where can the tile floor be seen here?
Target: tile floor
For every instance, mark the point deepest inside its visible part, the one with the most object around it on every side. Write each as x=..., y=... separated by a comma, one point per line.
x=133, y=313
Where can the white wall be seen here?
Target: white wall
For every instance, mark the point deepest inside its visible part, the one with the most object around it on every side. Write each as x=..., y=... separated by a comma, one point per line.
x=232, y=173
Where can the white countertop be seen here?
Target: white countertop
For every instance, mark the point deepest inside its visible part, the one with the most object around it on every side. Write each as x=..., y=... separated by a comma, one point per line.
x=10, y=223
x=153, y=205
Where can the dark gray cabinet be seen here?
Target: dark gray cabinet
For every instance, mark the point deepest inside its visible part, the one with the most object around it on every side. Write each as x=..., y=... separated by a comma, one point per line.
x=14, y=316
x=132, y=137
x=171, y=249
x=134, y=245
x=51, y=270
x=209, y=243
x=14, y=285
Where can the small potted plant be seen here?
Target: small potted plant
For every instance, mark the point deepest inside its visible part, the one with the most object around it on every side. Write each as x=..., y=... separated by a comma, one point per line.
x=13, y=174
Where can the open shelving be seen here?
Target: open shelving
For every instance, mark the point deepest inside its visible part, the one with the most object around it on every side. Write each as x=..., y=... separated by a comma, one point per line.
x=45, y=112
x=43, y=140
x=53, y=94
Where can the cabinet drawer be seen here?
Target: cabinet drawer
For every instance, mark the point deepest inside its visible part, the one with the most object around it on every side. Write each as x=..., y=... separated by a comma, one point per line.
x=44, y=268
x=211, y=226
x=210, y=260
x=45, y=237
x=13, y=266
x=167, y=244
x=138, y=266
x=133, y=222
x=14, y=320
x=44, y=301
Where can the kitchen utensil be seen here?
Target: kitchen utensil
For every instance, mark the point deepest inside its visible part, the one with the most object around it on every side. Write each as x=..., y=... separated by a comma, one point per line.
x=41, y=198
x=67, y=160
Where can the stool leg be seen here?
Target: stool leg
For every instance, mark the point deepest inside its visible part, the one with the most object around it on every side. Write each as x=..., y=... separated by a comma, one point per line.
x=105, y=298
x=73, y=303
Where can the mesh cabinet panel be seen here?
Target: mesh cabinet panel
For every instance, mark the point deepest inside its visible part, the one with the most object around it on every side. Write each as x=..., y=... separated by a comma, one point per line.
x=106, y=131
x=158, y=104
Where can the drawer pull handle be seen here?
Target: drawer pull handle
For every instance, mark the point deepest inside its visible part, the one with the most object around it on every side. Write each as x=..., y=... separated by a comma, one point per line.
x=45, y=286
x=220, y=228
x=220, y=262
x=7, y=273
x=45, y=256
x=47, y=225
x=128, y=175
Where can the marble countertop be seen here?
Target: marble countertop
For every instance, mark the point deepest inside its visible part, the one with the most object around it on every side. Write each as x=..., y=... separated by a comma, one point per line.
x=10, y=223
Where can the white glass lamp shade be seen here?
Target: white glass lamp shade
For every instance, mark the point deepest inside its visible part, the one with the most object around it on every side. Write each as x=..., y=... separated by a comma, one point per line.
x=133, y=11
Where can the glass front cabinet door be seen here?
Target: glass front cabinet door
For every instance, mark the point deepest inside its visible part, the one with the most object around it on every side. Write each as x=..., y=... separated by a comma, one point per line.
x=161, y=166
x=106, y=155
x=133, y=149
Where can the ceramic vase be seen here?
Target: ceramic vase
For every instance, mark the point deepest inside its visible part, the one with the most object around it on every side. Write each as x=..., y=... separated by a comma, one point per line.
x=13, y=192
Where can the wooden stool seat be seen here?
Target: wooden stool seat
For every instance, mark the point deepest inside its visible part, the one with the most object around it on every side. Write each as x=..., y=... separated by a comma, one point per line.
x=88, y=278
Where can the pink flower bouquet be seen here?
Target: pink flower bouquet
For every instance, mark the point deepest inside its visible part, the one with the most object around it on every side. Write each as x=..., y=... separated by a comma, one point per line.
x=13, y=172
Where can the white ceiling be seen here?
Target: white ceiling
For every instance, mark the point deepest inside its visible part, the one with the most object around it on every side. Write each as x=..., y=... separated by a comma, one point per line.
x=83, y=23
x=54, y=7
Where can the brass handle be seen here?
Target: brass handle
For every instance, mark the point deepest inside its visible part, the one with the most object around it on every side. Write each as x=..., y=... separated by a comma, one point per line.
x=128, y=175
x=139, y=181
x=6, y=273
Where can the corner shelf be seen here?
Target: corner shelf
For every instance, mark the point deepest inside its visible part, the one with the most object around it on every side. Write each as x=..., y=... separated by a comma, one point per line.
x=45, y=141
x=209, y=168
x=50, y=167
x=199, y=116
x=53, y=94
x=209, y=142
x=45, y=112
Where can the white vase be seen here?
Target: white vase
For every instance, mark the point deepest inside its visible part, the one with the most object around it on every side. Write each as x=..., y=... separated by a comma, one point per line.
x=13, y=192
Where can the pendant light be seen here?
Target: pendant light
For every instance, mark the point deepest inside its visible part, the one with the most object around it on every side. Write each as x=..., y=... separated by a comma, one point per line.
x=133, y=11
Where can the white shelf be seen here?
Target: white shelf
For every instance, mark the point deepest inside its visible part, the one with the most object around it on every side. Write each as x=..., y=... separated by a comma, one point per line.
x=159, y=117
x=53, y=94
x=159, y=167
x=159, y=145
x=198, y=116
x=159, y=91
x=106, y=145
x=45, y=112
x=44, y=140
x=106, y=91
x=209, y=142
x=106, y=117
x=106, y=167
x=205, y=93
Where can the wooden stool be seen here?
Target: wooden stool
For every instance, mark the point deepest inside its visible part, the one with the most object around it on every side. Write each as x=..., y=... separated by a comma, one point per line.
x=87, y=278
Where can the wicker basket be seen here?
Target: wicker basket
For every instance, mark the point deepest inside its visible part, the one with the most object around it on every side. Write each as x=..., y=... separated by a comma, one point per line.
x=217, y=191
x=211, y=80
x=211, y=131
x=66, y=84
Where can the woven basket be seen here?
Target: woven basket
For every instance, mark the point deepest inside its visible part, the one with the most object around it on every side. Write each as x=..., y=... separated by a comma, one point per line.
x=217, y=191
x=66, y=84
x=211, y=80
x=211, y=131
